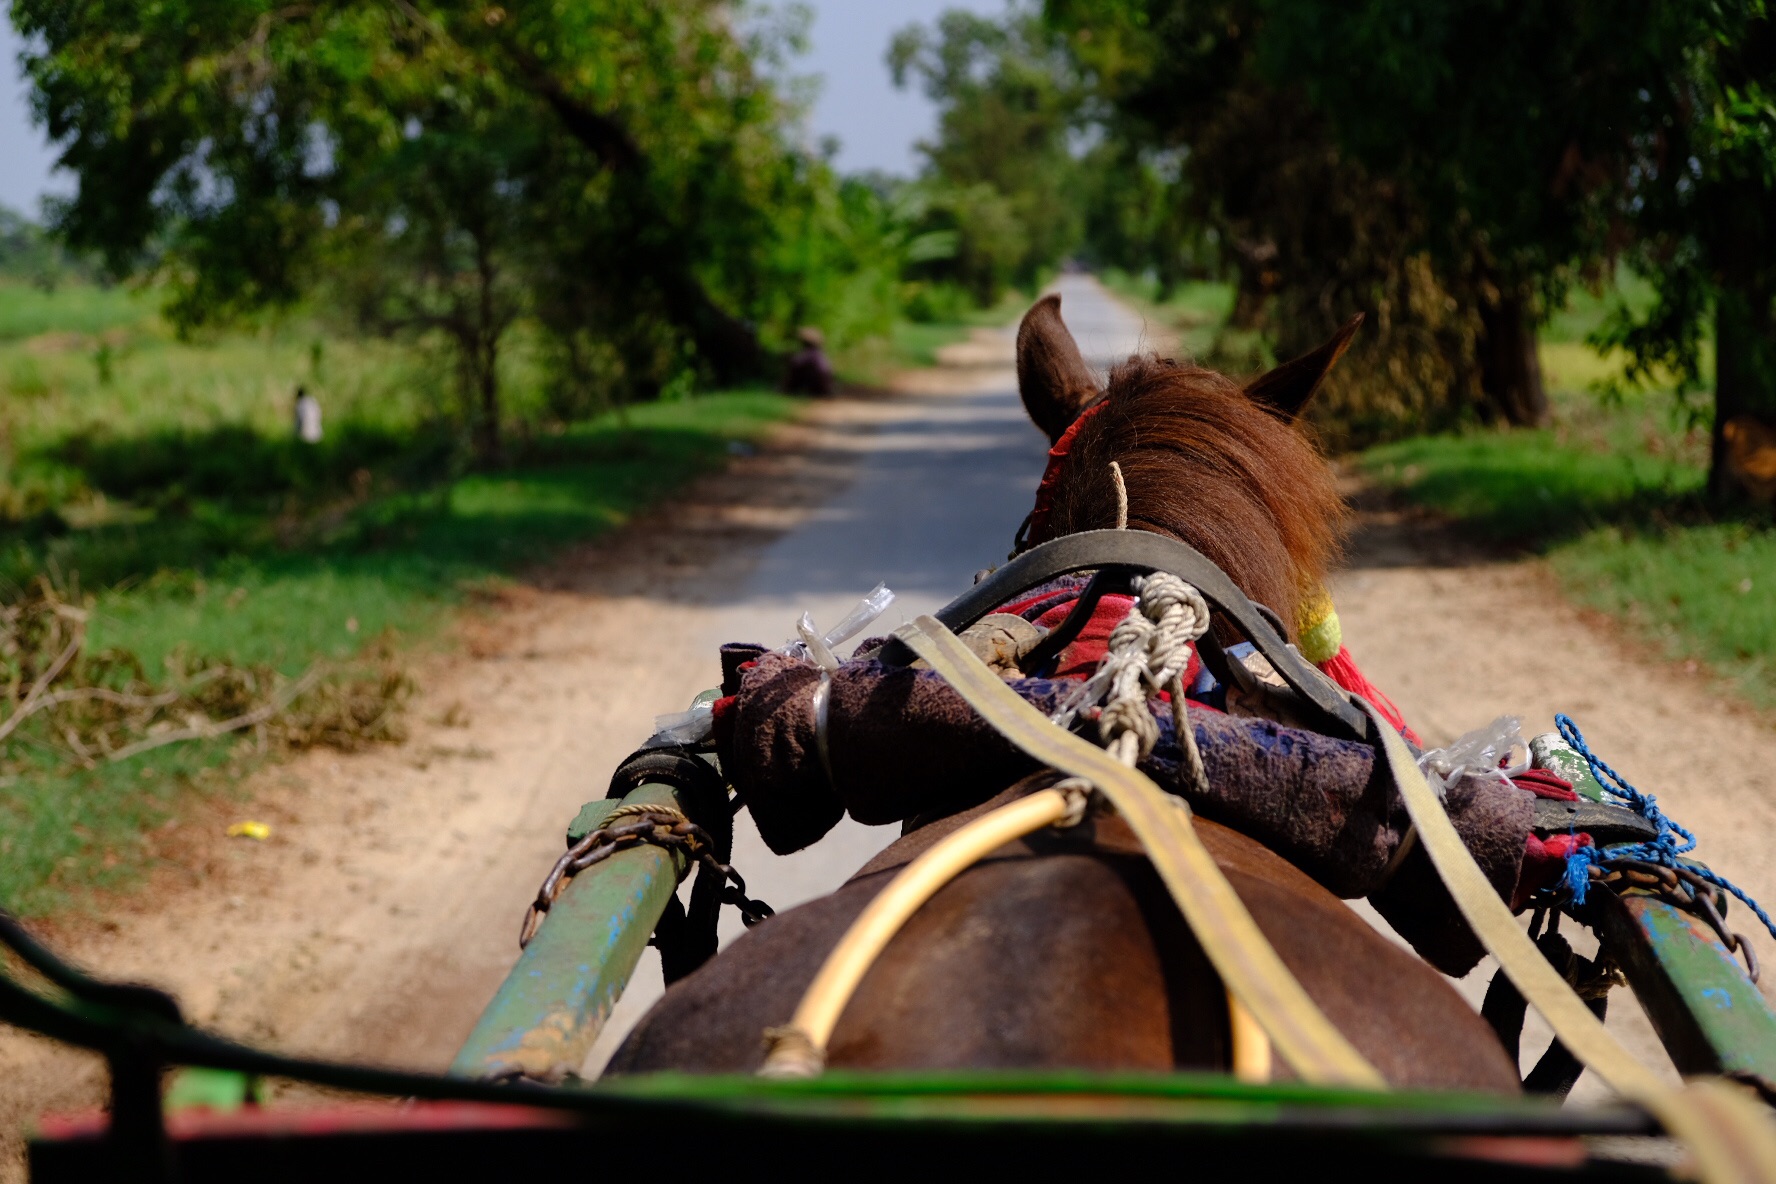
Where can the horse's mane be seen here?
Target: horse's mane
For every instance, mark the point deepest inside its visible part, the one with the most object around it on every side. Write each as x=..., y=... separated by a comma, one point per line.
x=1205, y=464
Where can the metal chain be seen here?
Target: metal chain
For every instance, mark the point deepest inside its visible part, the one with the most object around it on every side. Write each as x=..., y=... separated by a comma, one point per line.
x=1684, y=889
x=659, y=826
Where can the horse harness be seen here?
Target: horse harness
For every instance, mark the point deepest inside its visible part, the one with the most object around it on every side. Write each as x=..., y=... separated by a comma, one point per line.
x=1728, y=1133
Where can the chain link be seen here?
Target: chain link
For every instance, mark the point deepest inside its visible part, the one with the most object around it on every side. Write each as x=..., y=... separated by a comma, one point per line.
x=1684, y=889
x=658, y=826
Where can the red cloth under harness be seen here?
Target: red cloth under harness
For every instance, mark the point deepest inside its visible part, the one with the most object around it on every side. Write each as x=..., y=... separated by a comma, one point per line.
x=1082, y=656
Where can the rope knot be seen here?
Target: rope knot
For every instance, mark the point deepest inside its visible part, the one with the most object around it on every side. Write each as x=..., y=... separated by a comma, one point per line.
x=1149, y=651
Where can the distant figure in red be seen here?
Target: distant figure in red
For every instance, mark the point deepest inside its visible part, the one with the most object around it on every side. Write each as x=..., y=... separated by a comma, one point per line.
x=810, y=371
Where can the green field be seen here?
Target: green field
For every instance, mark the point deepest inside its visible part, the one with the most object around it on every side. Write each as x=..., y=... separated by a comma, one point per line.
x=161, y=480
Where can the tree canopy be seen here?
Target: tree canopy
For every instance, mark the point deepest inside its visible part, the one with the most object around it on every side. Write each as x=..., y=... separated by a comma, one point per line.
x=1454, y=166
x=630, y=178
x=1000, y=173
x=620, y=171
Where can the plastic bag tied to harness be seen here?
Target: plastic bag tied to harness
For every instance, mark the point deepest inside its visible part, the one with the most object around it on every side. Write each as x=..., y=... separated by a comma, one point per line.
x=1484, y=752
x=695, y=726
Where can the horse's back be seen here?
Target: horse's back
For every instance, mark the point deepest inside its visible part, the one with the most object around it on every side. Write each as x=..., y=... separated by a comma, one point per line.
x=1061, y=954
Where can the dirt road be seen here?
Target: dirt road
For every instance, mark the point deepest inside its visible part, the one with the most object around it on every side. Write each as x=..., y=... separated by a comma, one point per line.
x=1458, y=638
x=382, y=913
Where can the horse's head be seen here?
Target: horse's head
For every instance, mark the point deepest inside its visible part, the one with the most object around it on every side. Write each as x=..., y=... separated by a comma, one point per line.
x=1218, y=465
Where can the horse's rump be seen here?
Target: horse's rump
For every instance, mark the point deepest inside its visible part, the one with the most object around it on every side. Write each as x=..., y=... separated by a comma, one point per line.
x=1066, y=952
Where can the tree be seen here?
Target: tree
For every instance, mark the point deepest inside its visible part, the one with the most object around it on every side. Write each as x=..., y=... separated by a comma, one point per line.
x=1700, y=194
x=1000, y=173
x=612, y=167
x=1513, y=147
x=1135, y=214
x=1503, y=120
x=1307, y=232
x=432, y=238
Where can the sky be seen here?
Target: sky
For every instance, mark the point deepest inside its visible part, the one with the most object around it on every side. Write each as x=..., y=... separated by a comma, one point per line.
x=876, y=125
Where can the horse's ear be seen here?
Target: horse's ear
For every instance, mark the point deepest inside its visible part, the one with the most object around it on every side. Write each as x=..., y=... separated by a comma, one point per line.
x=1053, y=378
x=1286, y=389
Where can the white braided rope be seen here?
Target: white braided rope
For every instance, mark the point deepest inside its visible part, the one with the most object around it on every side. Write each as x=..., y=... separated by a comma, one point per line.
x=1149, y=651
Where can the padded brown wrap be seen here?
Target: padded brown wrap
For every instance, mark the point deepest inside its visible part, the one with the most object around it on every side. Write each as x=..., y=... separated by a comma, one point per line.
x=904, y=745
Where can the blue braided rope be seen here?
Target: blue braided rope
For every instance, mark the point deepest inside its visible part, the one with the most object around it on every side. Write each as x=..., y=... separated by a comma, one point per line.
x=1671, y=841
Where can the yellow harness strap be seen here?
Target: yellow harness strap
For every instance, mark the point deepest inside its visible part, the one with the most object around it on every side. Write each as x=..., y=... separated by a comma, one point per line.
x=1239, y=951
x=1730, y=1134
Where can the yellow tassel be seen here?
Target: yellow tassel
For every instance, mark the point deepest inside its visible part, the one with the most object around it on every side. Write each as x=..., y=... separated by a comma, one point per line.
x=1317, y=631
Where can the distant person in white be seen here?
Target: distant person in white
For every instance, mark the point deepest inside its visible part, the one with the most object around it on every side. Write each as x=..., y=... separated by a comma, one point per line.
x=308, y=417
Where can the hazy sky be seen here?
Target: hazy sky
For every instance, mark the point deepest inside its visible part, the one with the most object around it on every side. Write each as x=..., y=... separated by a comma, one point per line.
x=876, y=124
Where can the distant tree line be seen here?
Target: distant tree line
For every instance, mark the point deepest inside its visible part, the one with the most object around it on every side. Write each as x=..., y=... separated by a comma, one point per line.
x=29, y=252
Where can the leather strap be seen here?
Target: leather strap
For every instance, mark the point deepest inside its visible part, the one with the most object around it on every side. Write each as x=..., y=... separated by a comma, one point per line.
x=1144, y=551
x=1239, y=951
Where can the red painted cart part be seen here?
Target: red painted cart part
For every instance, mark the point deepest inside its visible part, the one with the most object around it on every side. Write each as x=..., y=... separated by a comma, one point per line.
x=340, y=1118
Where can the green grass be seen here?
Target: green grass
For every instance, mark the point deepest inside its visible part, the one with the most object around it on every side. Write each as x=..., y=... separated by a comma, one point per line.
x=392, y=560
x=27, y=310
x=170, y=491
x=1598, y=464
x=1705, y=592
x=1611, y=496
x=912, y=344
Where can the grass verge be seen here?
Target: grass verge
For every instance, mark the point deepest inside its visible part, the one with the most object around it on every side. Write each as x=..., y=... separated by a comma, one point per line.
x=383, y=575
x=1611, y=496
x=914, y=344
x=155, y=480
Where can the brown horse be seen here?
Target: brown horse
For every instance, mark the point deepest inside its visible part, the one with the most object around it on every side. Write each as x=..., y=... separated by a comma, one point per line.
x=1064, y=950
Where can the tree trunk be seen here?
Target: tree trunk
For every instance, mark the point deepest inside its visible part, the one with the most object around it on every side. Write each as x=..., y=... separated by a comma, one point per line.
x=488, y=446
x=726, y=344
x=483, y=353
x=1744, y=379
x=1510, y=369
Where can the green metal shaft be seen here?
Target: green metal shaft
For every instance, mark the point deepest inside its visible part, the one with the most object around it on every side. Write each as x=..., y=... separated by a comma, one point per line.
x=553, y=1004
x=1708, y=1014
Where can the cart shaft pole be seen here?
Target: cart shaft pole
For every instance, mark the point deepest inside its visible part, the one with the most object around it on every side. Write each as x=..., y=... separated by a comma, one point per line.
x=548, y=1013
